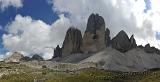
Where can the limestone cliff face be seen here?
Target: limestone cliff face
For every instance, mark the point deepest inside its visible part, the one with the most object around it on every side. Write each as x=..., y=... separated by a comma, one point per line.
x=107, y=37
x=94, y=36
x=57, y=52
x=133, y=42
x=72, y=42
x=122, y=42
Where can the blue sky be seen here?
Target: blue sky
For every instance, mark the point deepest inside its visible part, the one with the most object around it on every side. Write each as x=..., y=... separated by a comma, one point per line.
x=148, y=5
x=37, y=10
x=60, y=14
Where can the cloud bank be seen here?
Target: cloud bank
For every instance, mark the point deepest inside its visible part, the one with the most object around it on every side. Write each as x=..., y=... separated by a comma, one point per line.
x=34, y=36
x=133, y=16
x=6, y=3
x=138, y=17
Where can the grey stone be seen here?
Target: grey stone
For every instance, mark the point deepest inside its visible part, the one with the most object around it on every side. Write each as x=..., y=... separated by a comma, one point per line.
x=57, y=52
x=72, y=42
x=107, y=37
x=94, y=36
x=25, y=58
x=133, y=42
x=95, y=22
x=121, y=42
x=37, y=57
x=149, y=49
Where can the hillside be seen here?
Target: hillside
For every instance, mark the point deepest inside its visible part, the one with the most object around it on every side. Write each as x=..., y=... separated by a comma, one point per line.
x=134, y=60
x=22, y=73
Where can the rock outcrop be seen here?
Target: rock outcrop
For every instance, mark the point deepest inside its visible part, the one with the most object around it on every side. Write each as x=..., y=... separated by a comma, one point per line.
x=122, y=42
x=37, y=57
x=15, y=57
x=107, y=37
x=94, y=36
x=133, y=42
x=149, y=49
x=72, y=42
x=25, y=59
x=57, y=52
x=140, y=46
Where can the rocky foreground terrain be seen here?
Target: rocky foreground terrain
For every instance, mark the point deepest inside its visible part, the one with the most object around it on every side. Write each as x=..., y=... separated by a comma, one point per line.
x=92, y=57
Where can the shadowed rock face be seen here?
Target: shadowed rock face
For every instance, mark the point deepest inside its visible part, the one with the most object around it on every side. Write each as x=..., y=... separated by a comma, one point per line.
x=133, y=42
x=37, y=57
x=25, y=58
x=121, y=42
x=72, y=42
x=94, y=36
x=57, y=52
x=95, y=22
x=149, y=49
x=107, y=37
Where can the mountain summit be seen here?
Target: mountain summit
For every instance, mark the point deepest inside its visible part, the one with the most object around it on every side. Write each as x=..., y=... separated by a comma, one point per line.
x=94, y=36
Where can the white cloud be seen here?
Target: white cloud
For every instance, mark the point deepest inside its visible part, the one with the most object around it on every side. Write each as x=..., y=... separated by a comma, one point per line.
x=34, y=36
x=27, y=33
x=6, y=3
x=58, y=30
x=118, y=14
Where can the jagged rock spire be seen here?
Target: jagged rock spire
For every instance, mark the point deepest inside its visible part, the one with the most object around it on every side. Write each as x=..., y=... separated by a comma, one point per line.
x=94, y=36
x=57, y=52
x=133, y=42
x=72, y=42
x=121, y=41
x=107, y=37
x=95, y=22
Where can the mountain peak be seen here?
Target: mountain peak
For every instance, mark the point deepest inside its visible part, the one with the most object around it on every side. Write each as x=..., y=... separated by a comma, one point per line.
x=122, y=42
x=95, y=22
x=72, y=41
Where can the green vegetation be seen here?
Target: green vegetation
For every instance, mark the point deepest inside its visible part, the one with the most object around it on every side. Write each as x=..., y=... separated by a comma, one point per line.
x=22, y=73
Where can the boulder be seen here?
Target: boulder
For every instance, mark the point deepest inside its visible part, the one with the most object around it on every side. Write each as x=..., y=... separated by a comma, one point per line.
x=107, y=37
x=94, y=36
x=57, y=52
x=72, y=41
x=121, y=42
